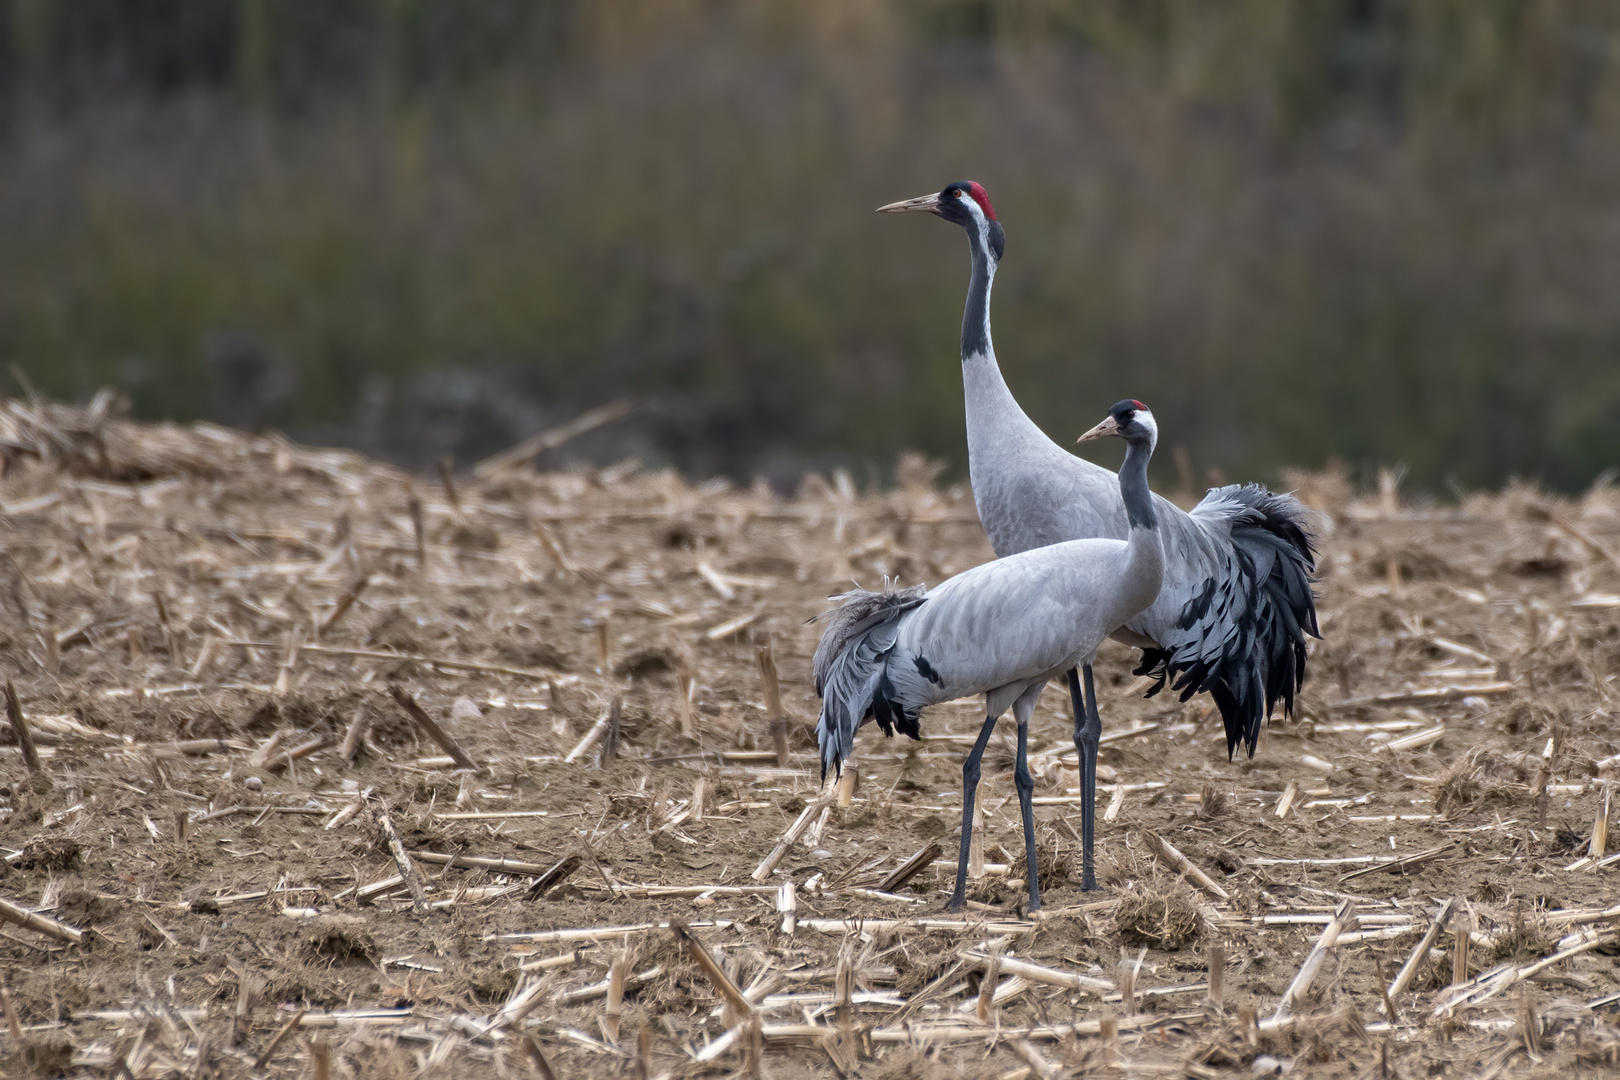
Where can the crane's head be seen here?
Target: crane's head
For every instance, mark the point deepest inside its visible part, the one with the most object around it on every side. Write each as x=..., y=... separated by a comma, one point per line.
x=963, y=202
x=1130, y=420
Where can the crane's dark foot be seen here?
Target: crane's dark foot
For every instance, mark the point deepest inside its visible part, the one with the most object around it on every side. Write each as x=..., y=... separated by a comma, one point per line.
x=1088, y=882
x=957, y=903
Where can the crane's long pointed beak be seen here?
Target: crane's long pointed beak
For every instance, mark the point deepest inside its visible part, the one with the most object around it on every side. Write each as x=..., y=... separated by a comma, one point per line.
x=1109, y=426
x=921, y=204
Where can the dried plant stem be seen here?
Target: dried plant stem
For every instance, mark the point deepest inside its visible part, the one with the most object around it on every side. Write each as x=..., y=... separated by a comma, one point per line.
x=591, y=737
x=1108, y=1029
x=1180, y=863
x=1420, y=953
x=276, y=1040
x=774, y=713
x=976, y=836
x=356, y=734
x=1285, y=804
x=402, y=858
x=1600, y=825
x=849, y=782
x=712, y=971
x=345, y=602
x=613, y=1010
x=1127, y=985
x=11, y=913
x=320, y=1059
x=1036, y=973
x=303, y=750
x=1342, y=919
x=447, y=663
x=910, y=868
x=552, y=876
x=1215, y=959
x=1459, y=955
x=13, y=1025
x=1038, y=1064
x=787, y=905
x=987, y=986
x=19, y=728
x=551, y=438
x=791, y=836
x=537, y=1058
x=683, y=702
x=431, y=729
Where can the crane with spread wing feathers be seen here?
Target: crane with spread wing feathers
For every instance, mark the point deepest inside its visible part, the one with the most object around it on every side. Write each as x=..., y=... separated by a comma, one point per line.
x=1001, y=629
x=1236, y=604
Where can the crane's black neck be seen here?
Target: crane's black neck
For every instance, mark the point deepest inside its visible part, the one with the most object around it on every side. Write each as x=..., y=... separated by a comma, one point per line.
x=1133, y=485
x=986, y=241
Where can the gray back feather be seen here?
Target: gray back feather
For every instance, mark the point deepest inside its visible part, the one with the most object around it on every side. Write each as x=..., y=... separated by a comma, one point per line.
x=858, y=610
x=849, y=662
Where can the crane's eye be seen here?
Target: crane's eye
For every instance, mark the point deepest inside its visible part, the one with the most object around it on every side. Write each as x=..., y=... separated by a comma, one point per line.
x=956, y=193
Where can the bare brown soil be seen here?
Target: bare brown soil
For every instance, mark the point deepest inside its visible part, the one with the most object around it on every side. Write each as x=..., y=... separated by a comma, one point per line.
x=172, y=627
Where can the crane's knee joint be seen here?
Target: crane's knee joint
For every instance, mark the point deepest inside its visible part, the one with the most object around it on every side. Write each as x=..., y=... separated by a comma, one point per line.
x=1023, y=780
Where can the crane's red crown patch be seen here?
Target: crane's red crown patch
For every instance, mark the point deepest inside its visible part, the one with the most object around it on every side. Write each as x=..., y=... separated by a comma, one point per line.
x=1139, y=405
x=983, y=199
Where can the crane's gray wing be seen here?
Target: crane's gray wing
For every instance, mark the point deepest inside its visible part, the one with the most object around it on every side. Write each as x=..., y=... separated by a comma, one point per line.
x=1240, y=633
x=849, y=667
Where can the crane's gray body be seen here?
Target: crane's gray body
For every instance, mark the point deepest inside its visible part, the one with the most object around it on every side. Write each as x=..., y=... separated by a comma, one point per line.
x=1001, y=629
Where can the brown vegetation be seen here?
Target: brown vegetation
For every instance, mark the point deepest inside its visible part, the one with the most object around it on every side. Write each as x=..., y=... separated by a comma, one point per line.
x=241, y=840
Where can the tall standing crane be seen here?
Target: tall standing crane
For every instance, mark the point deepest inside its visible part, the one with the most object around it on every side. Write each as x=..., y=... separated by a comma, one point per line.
x=1001, y=629
x=1236, y=604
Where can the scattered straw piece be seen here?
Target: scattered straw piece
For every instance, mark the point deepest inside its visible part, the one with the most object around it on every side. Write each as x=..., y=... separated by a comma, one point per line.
x=19, y=728
x=431, y=729
x=41, y=924
x=1343, y=918
x=1180, y=863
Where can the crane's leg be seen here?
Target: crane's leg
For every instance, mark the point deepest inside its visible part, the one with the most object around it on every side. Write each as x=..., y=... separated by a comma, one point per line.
x=1023, y=709
x=970, y=787
x=1087, y=732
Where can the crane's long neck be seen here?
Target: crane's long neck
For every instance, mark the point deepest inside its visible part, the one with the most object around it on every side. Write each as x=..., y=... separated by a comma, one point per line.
x=998, y=429
x=1144, y=564
x=976, y=345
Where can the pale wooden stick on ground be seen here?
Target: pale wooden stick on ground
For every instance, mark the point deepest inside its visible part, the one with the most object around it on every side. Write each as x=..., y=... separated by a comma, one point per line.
x=41, y=924
x=773, y=704
x=1179, y=862
x=711, y=970
x=909, y=869
x=19, y=729
x=280, y=1036
x=1420, y=953
x=1343, y=919
x=791, y=836
x=431, y=729
x=402, y=858
x=356, y=734
x=597, y=731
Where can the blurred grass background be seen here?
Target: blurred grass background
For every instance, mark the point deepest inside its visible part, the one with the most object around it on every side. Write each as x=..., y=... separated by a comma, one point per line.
x=1364, y=230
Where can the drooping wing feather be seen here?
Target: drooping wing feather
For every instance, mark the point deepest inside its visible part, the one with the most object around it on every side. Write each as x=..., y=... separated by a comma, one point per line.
x=1241, y=635
x=849, y=668
x=857, y=611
